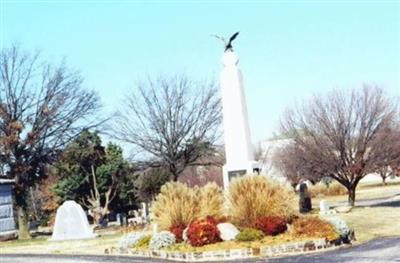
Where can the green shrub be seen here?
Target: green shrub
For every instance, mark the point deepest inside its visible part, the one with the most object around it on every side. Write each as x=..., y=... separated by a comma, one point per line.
x=249, y=234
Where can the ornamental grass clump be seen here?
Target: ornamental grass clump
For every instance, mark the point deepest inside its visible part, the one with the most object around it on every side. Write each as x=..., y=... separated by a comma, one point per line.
x=254, y=196
x=176, y=204
x=309, y=226
x=211, y=201
x=162, y=239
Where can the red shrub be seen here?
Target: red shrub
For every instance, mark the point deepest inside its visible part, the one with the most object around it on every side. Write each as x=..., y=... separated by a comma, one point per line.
x=271, y=225
x=177, y=230
x=203, y=232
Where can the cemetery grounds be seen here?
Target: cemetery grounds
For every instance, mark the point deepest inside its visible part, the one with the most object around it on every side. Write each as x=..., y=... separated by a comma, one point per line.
x=374, y=217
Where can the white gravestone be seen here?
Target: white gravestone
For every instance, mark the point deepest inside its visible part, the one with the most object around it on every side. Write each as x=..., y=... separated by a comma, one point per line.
x=71, y=223
x=325, y=209
x=238, y=148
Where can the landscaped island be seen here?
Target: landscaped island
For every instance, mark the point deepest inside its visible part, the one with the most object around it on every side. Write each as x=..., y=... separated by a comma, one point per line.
x=255, y=217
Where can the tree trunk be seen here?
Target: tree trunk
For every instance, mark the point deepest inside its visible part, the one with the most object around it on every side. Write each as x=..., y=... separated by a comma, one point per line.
x=384, y=180
x=175, y=177
x=351, y=195
x=23, y=228
x=174, y=172
x=22, y=212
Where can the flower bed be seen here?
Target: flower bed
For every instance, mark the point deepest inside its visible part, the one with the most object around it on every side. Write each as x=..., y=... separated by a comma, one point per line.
x=261, y=221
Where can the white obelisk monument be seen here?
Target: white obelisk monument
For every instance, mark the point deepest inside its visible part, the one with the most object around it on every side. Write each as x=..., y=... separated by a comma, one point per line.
x=238, y=148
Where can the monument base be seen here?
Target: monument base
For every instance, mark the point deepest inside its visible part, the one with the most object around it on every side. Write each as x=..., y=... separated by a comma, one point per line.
x=231, y=172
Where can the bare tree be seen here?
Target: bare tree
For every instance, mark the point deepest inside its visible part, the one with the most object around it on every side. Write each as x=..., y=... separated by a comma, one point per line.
x=174, y=120
x=344, y=135
x=384, y=172
x=390, y=160
x=42, y=107
x=201, y=175
x=292, y=162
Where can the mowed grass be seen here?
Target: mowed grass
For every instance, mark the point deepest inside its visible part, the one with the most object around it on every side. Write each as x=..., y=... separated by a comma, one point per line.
x=41, y=245
x=375, y=221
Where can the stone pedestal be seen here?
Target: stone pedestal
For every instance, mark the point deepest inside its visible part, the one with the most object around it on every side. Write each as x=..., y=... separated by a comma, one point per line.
x=238, y=148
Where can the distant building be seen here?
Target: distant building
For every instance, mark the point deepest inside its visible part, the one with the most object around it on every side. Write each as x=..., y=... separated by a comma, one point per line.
x=7, y=223
x=267, y=150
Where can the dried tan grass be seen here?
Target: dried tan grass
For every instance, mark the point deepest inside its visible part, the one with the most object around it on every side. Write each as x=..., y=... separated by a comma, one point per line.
x=311, y=226
x=320, y=190
x=176, y=204
x=254, y=196
x=211, y=201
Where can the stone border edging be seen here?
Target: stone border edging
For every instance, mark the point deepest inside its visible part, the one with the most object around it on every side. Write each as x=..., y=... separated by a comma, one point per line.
x=241, y=253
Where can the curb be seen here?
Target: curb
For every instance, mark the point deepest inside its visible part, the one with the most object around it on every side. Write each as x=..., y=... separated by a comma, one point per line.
x=287, y=249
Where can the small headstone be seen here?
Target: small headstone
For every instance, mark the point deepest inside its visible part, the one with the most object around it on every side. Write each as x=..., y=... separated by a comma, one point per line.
x=323, y=206
x=325, y=209
x=227, y=231
x=144, y=210
x=305, y=205
x=124, y=219
x=118, y=219
x=71, y=223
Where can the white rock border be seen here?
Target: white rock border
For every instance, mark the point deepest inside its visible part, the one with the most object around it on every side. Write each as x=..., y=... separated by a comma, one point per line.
x=291, y=248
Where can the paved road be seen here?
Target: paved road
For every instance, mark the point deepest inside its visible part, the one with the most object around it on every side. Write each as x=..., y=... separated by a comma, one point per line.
x=384, y=250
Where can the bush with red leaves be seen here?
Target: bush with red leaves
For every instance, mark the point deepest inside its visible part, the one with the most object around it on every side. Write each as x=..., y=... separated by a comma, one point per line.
x=203, y=232
x=271, y=225
x=177, y=230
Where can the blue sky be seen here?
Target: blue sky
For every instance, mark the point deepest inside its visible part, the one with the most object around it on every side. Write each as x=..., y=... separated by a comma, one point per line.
x=288, y=49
